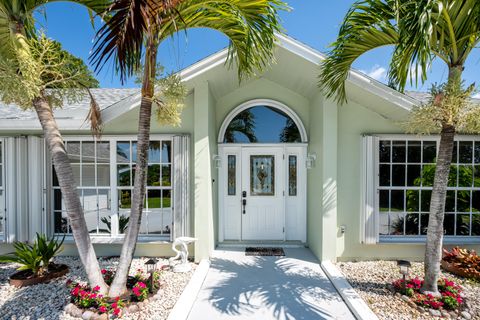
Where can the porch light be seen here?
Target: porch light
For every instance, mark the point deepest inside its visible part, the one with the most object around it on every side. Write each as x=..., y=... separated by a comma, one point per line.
x=151, y=265
x=404, y=269
x=218, y=161
x=311, y=158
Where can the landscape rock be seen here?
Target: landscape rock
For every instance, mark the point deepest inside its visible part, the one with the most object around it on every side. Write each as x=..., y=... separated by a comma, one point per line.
x=133, y=308
x=466, y=315
x=435, y=313
x=87, y=315
x=103, y=316
x=53, y=297
x=373, y=279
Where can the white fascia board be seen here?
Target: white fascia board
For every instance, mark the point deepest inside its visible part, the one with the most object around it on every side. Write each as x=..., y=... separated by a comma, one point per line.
x=124, y=106
x=355, y=77
x=204, y=65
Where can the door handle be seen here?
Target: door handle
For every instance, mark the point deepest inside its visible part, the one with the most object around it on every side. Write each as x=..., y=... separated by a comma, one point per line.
x=244, y=203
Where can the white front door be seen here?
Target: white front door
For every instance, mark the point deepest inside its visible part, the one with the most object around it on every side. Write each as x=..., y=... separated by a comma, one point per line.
x=271, y=181
x=263, y=189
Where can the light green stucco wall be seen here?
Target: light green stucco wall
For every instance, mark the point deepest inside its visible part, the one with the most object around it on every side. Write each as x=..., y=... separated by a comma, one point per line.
x=261, y=89
x=204, y=149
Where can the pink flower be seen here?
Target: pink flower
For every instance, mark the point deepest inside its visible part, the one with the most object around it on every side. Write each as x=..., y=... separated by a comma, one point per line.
x=141, y=285
x=116, y=311
x=117, y=298
x=114, y=305
x=102, y=309
x=75, y=291
x=96, y=289
x=104, y=271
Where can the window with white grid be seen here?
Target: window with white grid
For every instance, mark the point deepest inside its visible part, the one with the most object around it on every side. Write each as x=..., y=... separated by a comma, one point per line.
x=406, y=169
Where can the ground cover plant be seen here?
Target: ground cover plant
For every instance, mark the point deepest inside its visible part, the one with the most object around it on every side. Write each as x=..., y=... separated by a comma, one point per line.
x=139, y=288
x=449, y=299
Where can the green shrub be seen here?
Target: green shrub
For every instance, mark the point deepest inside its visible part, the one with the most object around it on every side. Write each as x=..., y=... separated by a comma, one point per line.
x=48, y=248
x=34, y=257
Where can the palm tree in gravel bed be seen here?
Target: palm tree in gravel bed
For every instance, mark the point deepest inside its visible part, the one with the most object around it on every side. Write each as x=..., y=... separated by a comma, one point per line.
x=141, y=25
x=420, y=31
x=35, y=72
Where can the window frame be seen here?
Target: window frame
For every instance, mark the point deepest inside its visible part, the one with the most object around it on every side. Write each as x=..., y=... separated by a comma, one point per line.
x=418, y=239
x=3, y=210
x=114, y=236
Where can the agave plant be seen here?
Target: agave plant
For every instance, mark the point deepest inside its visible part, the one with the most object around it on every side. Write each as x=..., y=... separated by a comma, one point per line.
x=27, y=256
x=48, y=248
x=34, y=257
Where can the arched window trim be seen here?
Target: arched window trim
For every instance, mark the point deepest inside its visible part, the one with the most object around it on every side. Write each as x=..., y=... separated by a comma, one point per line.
x=262, y=102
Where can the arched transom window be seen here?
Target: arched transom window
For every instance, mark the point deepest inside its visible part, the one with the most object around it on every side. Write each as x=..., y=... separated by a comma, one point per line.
x=262, y=124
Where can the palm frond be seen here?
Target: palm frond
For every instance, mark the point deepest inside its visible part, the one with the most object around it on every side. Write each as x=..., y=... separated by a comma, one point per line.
x=368, y=25
x=123, y=35
x=249, y=25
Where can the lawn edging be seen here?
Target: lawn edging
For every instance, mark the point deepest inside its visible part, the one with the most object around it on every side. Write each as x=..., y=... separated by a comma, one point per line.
x=355, y=303
x=184, y=304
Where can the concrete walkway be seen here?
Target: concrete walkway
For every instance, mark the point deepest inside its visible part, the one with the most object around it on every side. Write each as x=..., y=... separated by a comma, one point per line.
x=263, y=288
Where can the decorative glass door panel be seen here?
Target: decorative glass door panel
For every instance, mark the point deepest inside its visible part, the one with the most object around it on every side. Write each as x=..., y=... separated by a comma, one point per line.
x=263, y=186
x=262, y=175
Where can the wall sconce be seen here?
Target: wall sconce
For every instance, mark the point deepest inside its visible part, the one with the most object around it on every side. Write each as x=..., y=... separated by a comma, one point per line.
x=217, y=160
x=311, y=158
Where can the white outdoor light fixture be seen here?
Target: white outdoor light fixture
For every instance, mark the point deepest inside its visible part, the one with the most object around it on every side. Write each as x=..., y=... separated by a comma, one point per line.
x=311, y=158
x=151, y=265
x=404, y=268
x=218, y=161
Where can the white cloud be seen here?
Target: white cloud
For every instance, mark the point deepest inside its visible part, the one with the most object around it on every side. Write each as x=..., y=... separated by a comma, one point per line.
x=377, y=72
x=476, y=96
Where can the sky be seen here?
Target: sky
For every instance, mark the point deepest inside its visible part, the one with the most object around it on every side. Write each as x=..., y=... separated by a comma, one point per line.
x=313, y=22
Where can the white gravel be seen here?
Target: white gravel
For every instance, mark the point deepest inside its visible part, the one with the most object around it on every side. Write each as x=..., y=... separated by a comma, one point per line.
x=46, y=301
x=372, y=280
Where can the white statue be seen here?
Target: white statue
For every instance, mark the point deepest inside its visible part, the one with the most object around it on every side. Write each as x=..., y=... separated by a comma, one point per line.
x=182, y=254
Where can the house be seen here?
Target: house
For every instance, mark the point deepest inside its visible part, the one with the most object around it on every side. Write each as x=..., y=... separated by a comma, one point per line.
x=267, y=160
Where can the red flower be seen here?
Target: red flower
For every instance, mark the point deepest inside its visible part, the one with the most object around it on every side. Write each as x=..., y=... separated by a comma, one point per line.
x=116, y=311
x=104, y=271
x=75, y=291
x=96, y=289
x=114, y=305
x=117, y=298
x=102, y=309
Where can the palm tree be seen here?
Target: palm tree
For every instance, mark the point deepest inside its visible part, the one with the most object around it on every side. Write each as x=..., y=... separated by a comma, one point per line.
x=243, y=123
x=249, y=24
x=28, y=56
x=420, y=31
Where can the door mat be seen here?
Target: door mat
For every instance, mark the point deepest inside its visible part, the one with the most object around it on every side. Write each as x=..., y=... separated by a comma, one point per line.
x=257, y=251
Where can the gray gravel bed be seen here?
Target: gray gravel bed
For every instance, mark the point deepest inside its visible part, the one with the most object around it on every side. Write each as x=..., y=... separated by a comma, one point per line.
x=372, y=279
x=46, y=301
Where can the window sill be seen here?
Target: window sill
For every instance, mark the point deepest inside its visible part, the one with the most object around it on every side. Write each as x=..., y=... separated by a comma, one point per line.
x=120, y=240
x=448, y=240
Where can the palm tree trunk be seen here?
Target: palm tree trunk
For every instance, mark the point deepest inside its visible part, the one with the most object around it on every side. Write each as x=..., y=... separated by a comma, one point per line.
x=118, y=286
x=433, y=250
x=72, y=202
